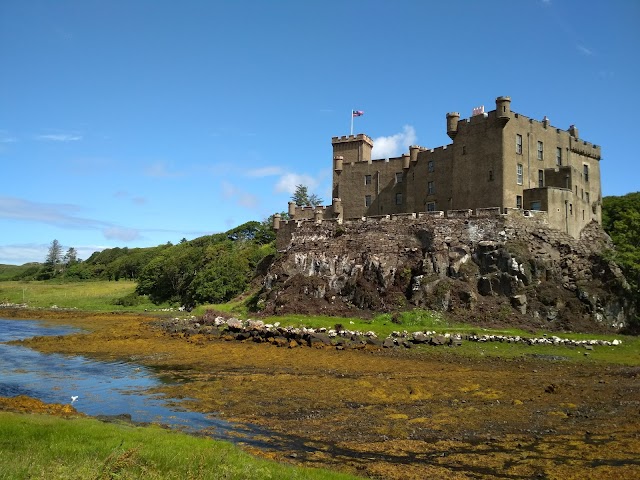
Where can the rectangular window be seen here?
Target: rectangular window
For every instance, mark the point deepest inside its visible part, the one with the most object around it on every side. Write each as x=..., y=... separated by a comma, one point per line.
x=536, y=205
x=519, y=174
x=518, y=201
x=586, y=196
x=399, y=177
x=519, y=143
x=431, y=207
x=398, y=199
x=540, y=178
x=367, y=200
x=558, y=156
x=586, y=172
x=540, y=151
x=431, y=189
x=571, y=209
x=490, y=175
x=430, y=166
x=367, y=179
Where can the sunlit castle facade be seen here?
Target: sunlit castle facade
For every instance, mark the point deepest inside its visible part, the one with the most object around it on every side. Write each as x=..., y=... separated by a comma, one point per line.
x=498, y=160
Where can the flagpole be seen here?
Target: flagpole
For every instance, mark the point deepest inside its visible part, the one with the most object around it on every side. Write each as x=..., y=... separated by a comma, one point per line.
x=351, y=122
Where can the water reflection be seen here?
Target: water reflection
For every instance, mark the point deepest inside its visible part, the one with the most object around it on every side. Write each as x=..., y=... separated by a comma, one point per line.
x=103, y=388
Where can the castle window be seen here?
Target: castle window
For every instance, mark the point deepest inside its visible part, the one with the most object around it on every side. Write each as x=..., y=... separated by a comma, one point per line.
x=430, y=166
x=431, y=189
x=518, y=201
x=586, y=196
x=491, y=175
x=398, y=198
x=540, y=178
x=399, y=177
x=431, y=207
x=519, y=143
x=519, y=174
x=540, y=151
x=558, y=156
x=571, y=209
x=586, y=172
x=367, y=200
x=367, y=179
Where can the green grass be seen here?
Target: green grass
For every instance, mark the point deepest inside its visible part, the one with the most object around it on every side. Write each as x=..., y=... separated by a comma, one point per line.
x=89, y=296
x=46, y=447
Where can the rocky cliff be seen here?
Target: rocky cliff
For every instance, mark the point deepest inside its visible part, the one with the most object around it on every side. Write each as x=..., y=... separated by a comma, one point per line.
x=495, y=270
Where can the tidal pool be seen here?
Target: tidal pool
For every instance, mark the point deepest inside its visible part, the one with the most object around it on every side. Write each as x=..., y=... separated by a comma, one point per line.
x=102, y=388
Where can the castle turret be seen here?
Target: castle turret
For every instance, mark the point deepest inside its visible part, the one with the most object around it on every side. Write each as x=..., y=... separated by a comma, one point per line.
x=413, y=152
x=503, y=108
x=337, y=163
x=573, y=131
x=352, y=148
x=452, y=124
x=276, y=221
x=292, y=210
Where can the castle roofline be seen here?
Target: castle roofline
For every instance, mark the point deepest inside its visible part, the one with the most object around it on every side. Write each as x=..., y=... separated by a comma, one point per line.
x=352, y=138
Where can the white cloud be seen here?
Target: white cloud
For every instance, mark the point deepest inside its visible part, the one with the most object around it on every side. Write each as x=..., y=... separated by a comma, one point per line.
x=584, y=50
x=61, y=215
x=289, y=181
x=121, y=233
x=242, y=198
x=126, y=195
x=60, y=137
x=264, y=172
x=394, y=145
x=160, y=170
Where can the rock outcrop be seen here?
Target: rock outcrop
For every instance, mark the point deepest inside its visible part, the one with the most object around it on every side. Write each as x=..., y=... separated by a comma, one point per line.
x=508, y=269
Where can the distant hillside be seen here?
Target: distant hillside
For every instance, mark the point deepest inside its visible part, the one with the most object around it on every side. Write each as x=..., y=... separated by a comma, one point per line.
x=13, y=272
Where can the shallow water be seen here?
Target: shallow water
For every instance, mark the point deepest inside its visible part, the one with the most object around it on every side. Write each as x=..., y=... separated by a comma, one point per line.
x=102, y=388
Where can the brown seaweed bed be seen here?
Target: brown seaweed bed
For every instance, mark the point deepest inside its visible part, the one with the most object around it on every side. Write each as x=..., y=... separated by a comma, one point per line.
x=392, y=414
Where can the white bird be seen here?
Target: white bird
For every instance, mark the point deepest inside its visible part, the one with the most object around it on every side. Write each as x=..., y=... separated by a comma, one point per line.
x=73, y=399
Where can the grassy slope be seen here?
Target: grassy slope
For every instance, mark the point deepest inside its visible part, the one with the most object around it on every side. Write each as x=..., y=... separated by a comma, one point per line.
x=91, y=296
x=47, y=447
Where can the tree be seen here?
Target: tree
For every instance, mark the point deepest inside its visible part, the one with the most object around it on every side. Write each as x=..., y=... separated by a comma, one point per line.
x=54, y=255
x=621, y=220
x=302, y=198
x=70, y=257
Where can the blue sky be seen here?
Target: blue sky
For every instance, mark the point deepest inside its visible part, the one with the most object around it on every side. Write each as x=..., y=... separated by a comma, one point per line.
x=138, y=122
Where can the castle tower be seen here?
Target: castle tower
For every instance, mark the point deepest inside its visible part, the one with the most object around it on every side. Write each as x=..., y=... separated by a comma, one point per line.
x=352, y=148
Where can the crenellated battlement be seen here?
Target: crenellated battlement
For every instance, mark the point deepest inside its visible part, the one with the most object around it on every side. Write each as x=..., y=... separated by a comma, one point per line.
x=352, y=138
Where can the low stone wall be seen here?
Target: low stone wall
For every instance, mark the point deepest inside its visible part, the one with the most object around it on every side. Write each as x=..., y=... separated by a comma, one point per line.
x=230, y=329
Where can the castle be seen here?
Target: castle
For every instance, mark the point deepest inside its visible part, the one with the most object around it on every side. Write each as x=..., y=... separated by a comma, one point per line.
x=499, y=161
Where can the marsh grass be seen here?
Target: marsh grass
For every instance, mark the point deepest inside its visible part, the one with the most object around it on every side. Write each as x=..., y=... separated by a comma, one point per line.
x=46, y=447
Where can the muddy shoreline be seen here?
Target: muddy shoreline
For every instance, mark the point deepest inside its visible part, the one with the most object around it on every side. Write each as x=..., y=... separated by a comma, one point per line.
x=388, y=414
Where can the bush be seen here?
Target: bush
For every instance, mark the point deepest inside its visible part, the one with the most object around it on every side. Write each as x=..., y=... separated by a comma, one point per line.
x=131, y=300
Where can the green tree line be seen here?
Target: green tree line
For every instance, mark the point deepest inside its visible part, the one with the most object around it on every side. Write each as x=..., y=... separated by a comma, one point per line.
x=209, y=269
x=621, y=220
